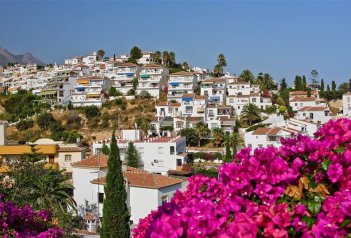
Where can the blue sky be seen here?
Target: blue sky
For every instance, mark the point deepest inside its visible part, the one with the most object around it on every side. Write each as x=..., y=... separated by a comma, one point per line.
x=283, y=38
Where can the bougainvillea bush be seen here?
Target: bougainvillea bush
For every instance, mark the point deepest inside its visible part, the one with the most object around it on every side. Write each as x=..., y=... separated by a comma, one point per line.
x=301, y=189
x=25, y=222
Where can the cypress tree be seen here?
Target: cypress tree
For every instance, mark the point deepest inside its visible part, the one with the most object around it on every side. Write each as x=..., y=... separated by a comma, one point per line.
x=298, y=83
x=328, y=88
x=333, y=85
x=132, y=156
x=322, y=85
x=115, y=221
x=304, y=83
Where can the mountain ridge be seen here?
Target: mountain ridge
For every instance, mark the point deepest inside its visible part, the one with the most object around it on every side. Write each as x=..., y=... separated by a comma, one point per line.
x=26, y=58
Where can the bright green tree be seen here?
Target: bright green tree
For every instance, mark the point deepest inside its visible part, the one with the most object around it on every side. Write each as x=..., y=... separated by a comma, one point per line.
x=115, y=221
x=132, y=156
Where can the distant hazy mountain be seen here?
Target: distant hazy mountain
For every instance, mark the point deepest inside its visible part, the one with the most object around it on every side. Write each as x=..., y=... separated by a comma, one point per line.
x=27, y=58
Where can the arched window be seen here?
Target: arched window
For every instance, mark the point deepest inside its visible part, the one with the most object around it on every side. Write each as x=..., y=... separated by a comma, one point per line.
x=172, y=150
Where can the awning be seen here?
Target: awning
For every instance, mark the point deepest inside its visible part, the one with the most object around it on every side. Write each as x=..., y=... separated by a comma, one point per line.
x=83, y=81
x=215, y=98
x=130, y=74
x=48, y=92
x=174, y=84
x=144, y=76
x=187, y=99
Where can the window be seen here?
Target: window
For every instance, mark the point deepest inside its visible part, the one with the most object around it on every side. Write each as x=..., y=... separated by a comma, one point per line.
x=311, y=115
x=326, y=113
x=231, y=100
x=101, y=197
x=304, y=114
x=295, y=104
x=254, y=100
x=179, y=162
x=301, y=104
x=348, y=99
x=160, y=150
x=171, y=150
x=68, y=158
x=164, y=199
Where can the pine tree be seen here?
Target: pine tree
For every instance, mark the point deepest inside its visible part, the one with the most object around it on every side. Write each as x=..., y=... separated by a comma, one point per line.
x=132, y=156
x=322, y=85
x=283, y=84
x=333, y=85
x=115, y=221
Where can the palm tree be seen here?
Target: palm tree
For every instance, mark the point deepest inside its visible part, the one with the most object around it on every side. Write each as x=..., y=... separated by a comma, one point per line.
x=172, y=59
x=165, y=58
x=236, y=141
x=247, y=76
x=217, y=70
x=100, y=54
x=52, y=190
x=202, y=131
x=185, y=66
x=158, y=57
x=217, y=136
x=250, y=113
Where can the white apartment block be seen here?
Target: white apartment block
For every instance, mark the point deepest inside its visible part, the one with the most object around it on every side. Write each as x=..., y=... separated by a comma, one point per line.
x=90, y=91
x=239, y=88
x=260, y=100
x=346, y=104
x=319, y=115
x=300, y=102
x=213, y=111
x=147, y=58
x=158, y=155
x=180, y=123
x=168, y=109
x=89, y=180
x=262, y=137
x=193, y=105
x=122, y=76
x=153, y=78
x=90, y=58
x=181, y=83
x=215, y=89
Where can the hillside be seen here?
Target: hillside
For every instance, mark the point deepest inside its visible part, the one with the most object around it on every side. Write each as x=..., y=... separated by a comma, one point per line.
x=90, y=125
x=27, y=58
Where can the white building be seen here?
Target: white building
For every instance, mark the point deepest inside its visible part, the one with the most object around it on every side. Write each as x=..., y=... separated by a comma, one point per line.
x=193, y=105
x=215, y=89
x=122, y=76
x=145, y=191
x=262, y=137
x=153, y=78
x=157, y=155
x=319, y=115
x=168, y=109
x=181, y=83
x=346, y=104
x=90, y=91
x=300, y=102
x=147, y=58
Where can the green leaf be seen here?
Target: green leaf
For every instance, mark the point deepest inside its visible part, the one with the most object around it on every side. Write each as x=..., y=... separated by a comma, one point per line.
x=309, y=221
x=340, y=150
x=325, y=164
x=345, y=223
x=314, y=206
x=318, y=199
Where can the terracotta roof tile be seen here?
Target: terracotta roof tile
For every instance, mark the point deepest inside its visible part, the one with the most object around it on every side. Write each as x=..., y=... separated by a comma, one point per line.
x=143, y=179
x=92, y=162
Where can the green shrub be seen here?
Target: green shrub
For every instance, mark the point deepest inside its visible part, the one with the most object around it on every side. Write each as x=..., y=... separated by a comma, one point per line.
x=44, y=120
x=25, y=124
x=91, y=111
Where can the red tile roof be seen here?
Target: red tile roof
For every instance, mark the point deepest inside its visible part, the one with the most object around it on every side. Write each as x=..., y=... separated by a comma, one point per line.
x=143, y=179
x=308, y=108
x=92, y=162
